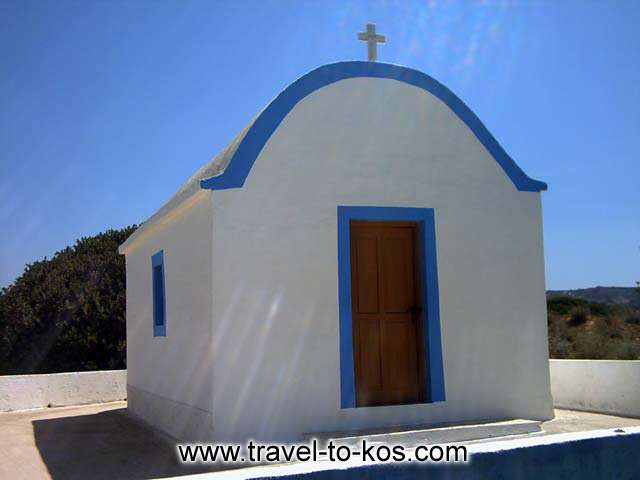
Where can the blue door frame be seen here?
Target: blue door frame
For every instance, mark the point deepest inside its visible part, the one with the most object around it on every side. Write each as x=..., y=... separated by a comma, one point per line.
x=425, y=218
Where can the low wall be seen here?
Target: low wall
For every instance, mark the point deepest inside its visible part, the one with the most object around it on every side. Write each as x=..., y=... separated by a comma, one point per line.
x=608, y=386
x=22, y=392
x=571, y=456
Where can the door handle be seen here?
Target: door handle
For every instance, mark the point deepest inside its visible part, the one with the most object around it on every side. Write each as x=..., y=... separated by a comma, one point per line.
x=414, y=309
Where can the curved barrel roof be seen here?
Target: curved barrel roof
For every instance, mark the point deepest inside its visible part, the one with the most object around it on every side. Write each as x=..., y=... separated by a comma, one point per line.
x=230, y=168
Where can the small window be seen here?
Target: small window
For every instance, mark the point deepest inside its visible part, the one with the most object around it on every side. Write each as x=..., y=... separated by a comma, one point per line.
x=159, y=306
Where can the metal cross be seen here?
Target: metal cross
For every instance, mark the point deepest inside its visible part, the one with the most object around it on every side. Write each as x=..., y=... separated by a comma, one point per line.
x=372, y=40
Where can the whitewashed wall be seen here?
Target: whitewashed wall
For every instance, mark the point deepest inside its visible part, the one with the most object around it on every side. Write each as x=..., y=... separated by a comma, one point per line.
x=24, y=392
x=372, y=142
x=170, y=378
x=607, y=386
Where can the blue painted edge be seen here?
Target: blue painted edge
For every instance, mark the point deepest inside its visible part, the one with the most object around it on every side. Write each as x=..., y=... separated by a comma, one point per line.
x=434, y=369
x=157, y=259
x=594, y=458
x=259, y=133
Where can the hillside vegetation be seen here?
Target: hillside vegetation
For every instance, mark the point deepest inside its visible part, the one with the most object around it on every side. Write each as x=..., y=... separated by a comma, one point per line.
x=67, y=313
x=582, y=329
x=626, y=296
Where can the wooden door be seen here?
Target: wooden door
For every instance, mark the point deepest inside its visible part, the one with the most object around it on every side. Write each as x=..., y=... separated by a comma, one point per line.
x=386, y=313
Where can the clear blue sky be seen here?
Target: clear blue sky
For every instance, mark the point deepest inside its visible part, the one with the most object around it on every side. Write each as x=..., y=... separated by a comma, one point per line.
x=107, y=107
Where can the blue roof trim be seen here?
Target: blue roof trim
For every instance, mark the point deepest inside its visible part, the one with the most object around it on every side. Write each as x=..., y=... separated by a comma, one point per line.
x=259, y=133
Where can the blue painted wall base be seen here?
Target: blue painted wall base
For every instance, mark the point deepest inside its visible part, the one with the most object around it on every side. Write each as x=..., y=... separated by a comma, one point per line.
x=588, y=459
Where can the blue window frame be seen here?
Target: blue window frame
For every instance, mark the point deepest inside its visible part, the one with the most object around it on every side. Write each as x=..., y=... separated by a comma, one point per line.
x=425, y=218
x=159, y=302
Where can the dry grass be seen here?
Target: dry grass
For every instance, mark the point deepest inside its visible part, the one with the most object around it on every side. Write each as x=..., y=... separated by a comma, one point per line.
x=586, y=330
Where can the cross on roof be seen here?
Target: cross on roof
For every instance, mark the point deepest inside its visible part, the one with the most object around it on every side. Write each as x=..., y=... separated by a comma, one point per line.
x=372, y=40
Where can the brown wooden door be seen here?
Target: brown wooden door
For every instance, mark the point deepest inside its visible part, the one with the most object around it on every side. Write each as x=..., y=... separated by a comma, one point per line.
x=386, y=312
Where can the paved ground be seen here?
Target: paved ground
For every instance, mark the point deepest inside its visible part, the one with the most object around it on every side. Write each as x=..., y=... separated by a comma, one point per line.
x=84, y=442
x=101, y=441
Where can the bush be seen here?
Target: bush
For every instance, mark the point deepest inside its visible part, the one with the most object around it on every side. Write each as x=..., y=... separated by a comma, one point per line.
x=590, y=345
x=558, y=327
x=600, y=309
x=633, y=319
x=603, y=328
x=67, y=313
x=560, y=347
x=626, y=350
x=579, y=316
x=562, y=305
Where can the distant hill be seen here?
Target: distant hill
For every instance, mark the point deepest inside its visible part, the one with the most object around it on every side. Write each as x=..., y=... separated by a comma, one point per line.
x=627, y=296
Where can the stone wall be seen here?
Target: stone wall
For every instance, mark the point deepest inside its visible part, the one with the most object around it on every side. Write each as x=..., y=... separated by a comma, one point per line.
x=23, y=392
x=607, y=386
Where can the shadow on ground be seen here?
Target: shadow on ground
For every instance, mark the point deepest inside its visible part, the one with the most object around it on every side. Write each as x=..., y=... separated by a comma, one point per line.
x=105, y=445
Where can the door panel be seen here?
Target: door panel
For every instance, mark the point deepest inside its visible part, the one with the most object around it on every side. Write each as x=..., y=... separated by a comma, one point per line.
x=399, y=360
x=385, y=287
x=369, y=359
x=397, y=278
x=367, y=268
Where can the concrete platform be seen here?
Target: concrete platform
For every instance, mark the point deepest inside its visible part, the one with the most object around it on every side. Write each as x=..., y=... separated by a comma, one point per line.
x=434, y=434
x=91, y=441
x=102, y=442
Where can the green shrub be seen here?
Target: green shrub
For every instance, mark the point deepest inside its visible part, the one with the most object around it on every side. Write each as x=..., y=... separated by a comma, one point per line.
x=626, y=350
x=603, y=328
x=67, y=313
x=559, y=347
x=579, y=316
x=601, y=309
x=633, y=319
x=558, y=327
x=562, y=305
x=590, y=345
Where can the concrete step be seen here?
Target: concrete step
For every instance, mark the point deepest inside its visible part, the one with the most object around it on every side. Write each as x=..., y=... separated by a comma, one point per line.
x=434, y=434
